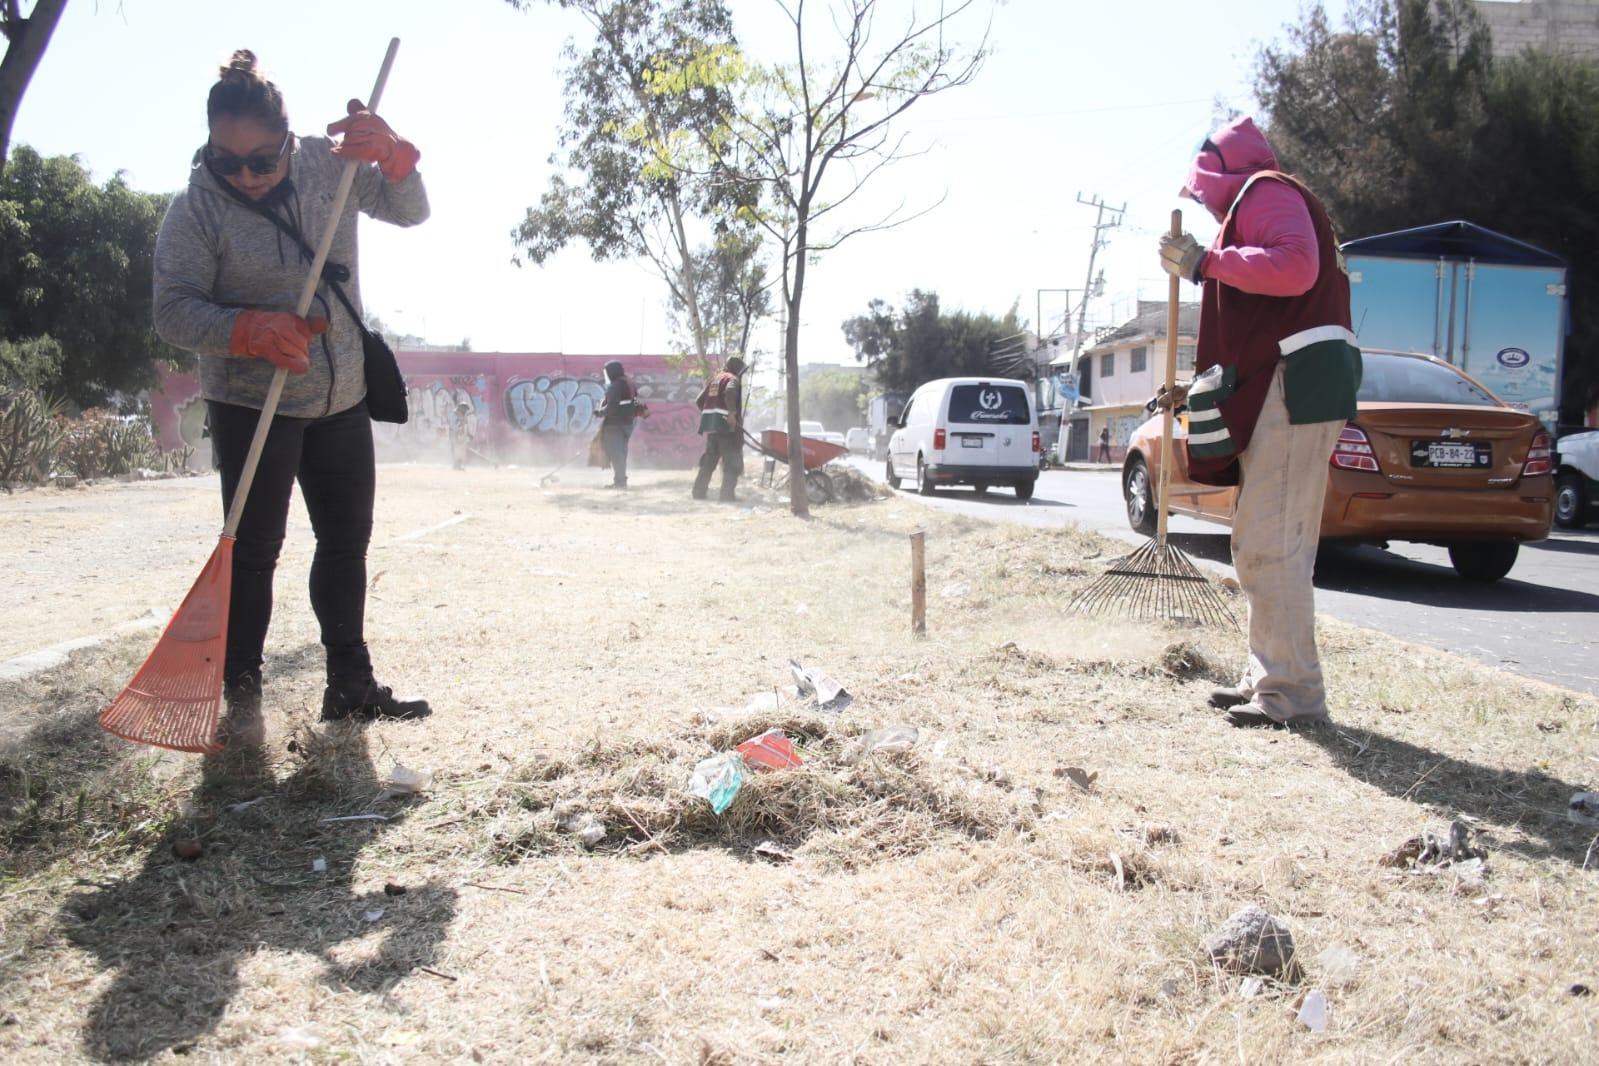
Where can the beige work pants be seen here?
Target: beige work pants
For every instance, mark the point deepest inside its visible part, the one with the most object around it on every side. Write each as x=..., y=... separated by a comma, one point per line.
x=1275, y=531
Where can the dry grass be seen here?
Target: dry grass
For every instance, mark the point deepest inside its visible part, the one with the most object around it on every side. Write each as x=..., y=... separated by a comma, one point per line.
x=967, y=901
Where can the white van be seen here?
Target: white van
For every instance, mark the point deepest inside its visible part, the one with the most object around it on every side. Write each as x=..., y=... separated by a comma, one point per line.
x=967, y=431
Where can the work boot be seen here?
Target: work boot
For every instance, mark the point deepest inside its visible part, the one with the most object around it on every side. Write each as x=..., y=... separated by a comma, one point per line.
x=1223, y=698
x=242, y=723
x=369, y=700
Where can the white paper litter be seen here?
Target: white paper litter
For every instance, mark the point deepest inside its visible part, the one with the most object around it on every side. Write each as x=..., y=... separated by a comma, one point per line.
x=1313, y=1012
x=319, y=866
x=375, y=914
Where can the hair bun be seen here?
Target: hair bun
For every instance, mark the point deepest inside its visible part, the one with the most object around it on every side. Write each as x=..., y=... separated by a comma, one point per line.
x=243, y=64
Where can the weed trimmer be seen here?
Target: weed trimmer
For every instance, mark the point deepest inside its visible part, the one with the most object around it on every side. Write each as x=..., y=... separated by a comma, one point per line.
x=547, y=478
x=174, y=701
x=1158, y=582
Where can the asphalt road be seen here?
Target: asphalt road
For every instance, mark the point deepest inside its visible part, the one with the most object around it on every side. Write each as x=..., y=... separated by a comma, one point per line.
x=1541, y=621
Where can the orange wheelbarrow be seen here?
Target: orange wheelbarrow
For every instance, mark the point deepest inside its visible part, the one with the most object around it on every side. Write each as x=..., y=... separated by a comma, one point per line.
x=773, y=446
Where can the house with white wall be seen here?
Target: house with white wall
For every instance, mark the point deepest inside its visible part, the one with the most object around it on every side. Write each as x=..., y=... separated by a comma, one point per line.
x=1122, y=370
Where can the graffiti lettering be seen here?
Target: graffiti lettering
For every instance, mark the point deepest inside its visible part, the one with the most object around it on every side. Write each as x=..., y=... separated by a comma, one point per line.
x=553, y=405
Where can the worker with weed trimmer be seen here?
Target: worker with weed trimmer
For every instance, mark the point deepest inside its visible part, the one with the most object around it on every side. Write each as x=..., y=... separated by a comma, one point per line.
x=232, y=255
x=721, y=424
x=1276, y=374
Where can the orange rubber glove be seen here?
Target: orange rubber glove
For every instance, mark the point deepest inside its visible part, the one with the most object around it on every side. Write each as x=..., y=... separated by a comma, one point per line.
x=369, y=139
x=280, y=337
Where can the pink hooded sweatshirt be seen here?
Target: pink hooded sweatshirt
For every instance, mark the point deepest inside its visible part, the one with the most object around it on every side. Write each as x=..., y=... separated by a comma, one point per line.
x=1276, y=253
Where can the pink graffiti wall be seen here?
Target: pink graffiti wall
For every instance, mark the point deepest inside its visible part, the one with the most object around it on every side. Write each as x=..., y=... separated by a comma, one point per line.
x=524, y=407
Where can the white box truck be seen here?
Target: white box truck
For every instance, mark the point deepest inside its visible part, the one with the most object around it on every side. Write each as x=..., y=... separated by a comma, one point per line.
x=1491, y=305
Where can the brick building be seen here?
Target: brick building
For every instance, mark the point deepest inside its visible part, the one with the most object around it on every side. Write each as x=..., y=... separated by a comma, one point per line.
x=1567, y=26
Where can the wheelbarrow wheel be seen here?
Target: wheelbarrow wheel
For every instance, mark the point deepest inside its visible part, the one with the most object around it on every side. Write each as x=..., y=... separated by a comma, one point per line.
x=818, y=487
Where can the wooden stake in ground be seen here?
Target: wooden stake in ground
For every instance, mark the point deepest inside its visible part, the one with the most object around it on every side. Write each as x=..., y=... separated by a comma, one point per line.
x=919, y=583
x=1158, y=582
x=175, y=700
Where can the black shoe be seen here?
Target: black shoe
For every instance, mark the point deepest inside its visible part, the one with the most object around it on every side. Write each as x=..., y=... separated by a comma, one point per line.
x=242, y=724
x=1222, y=698
x=369, y=700
x=1253, y=720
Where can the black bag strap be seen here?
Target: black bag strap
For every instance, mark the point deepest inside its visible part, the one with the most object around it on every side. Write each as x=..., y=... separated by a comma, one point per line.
x=330, y=269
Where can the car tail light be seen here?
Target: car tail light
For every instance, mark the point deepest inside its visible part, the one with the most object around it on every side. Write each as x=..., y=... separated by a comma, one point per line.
x=1538, y=456
x=938, y=440
x=1353, y=451
x=1038, y=445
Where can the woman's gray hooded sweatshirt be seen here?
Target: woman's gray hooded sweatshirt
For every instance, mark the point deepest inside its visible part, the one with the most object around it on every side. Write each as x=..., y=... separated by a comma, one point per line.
x=215, y=257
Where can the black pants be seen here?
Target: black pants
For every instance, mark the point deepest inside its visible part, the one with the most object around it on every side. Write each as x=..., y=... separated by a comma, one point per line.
x=332, y=460
x=727, y=448
x=614, y=437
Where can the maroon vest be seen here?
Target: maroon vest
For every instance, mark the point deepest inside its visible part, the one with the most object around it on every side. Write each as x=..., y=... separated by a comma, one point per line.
x=715, y=398
x=1241, y=330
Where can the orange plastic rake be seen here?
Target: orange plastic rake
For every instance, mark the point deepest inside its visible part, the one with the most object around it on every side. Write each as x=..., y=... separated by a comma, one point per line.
x=175, y=700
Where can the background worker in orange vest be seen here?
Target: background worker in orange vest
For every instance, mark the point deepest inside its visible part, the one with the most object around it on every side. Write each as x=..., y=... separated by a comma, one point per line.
x=720, y=423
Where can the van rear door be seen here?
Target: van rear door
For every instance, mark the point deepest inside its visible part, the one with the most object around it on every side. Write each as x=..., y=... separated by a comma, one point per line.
x=989, y=424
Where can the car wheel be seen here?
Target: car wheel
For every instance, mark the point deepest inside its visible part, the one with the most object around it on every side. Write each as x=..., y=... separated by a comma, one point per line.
x=888, y=473
x=1484, y=561
x=981, y=488
x=1140, y=499
x=924, y=479
x=1570, y=502
x=1024, y=490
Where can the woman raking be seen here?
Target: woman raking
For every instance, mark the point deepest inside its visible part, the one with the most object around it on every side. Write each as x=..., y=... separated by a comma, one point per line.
x=226, y=277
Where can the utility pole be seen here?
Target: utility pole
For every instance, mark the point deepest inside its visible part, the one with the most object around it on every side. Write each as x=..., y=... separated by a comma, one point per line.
x=1102, y=223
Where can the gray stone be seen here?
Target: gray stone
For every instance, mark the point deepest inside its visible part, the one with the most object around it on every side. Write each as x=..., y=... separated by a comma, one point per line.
x=1252, y=941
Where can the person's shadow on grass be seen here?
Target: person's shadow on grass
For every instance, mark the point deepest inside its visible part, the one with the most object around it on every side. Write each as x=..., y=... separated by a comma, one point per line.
x=177, y=931
x=1528, y=802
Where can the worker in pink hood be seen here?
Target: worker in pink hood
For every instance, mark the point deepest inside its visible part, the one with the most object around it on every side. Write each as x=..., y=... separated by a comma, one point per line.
x=1276, y=374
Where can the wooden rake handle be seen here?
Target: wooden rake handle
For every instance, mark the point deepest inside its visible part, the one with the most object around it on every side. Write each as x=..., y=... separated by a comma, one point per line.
x=1173, y=294
x=313, y=279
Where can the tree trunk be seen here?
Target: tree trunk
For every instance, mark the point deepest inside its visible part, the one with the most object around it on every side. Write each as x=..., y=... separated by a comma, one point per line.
x=28, y=39
x=691, y=289
x=798, y=501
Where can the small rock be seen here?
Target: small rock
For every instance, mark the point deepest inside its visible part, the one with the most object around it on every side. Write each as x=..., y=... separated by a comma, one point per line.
x=1252, y=941
x=392, y=889
x=997, y=775
x=1583, y=809
x=1579, y=990
x=319, y=866
x=1230, y=584
x=1250, y=987
x=374, y=915
x=955, y=590
x=187, y=850
x=1083, y=779
x=592, y=832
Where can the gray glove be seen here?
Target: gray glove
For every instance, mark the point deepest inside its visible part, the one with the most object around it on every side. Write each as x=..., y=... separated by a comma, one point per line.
x=1182, y=257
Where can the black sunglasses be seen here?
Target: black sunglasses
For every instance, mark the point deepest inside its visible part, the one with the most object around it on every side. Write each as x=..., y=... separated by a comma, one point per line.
x=260, y=164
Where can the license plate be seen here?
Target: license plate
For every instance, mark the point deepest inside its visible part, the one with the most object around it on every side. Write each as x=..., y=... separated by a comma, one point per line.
x=1437, y=453
x=971, y=442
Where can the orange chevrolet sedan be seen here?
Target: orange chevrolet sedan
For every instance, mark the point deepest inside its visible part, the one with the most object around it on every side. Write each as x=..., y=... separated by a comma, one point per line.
x=1432, y=456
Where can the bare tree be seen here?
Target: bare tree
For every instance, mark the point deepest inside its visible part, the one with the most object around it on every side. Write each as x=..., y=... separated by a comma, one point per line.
x=26, y=40
x=811, y=133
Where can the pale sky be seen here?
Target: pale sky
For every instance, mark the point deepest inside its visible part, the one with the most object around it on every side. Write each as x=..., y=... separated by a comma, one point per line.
x=1106, y=99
